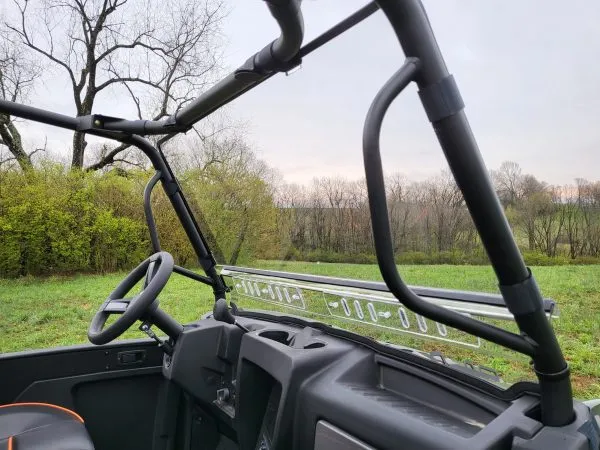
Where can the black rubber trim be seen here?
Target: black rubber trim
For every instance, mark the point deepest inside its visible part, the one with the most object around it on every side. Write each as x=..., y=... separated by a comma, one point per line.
x=125, y=343
x=171, y=188
x=441, y=99
x=558, y=376
x=526, y=294
x=445, y=294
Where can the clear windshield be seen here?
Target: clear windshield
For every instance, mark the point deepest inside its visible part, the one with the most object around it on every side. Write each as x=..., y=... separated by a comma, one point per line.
x=276, y=182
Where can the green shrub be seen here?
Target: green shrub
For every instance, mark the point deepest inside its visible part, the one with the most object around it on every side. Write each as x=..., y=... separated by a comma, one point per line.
x=116, y=242
x=10, y=251
x=540, y=259
x=365, y=258
x=56, y=221
x=292, y=254
x=455, y=257
x=413, y=258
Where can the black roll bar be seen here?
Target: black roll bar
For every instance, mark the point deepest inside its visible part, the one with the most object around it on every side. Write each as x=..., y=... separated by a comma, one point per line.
x=278, y=56
x=168, y=180
x=148, y=211
x=154, y=232
x=445, y=109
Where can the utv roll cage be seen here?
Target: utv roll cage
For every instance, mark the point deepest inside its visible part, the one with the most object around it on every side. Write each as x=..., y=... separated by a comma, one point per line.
x=444, y=106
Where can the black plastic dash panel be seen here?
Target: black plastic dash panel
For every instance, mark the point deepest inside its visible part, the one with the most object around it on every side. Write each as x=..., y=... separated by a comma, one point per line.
x=287, y=379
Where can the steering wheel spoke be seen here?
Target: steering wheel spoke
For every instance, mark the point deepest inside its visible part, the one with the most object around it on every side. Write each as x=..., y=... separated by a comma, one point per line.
x=119, y=305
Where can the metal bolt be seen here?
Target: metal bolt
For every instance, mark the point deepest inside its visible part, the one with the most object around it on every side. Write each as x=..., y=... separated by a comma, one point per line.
x=98, y=123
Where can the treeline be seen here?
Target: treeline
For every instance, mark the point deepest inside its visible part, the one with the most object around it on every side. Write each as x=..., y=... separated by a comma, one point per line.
x=56, y=220
x=329, y=220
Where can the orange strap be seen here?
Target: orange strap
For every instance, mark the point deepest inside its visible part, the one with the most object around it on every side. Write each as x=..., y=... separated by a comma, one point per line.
x=10, y=443
x=49, y=405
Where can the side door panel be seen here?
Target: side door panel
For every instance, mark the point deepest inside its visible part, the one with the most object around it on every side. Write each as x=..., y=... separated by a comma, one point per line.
x=115, y=387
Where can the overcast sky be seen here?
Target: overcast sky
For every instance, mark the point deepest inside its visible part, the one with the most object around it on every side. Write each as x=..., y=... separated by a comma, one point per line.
x=528, y=70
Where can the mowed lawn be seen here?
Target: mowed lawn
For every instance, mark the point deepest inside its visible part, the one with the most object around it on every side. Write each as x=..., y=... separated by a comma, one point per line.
x=39, y=313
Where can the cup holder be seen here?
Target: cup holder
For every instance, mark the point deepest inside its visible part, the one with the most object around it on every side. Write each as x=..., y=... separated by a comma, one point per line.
x=296, y=340
x=282, y=337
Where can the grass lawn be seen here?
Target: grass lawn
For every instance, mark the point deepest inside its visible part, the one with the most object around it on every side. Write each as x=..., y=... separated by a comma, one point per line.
x=37, y=313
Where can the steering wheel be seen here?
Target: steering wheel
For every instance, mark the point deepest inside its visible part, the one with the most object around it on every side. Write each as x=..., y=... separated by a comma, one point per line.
x=157, y=269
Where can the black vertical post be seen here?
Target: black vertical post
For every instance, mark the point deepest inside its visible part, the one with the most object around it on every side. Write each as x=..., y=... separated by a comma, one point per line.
x=441, y=99
x=148, y=211
x=183, y=211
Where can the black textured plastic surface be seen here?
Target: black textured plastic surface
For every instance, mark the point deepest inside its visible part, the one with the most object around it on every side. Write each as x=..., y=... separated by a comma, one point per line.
x=284, y=386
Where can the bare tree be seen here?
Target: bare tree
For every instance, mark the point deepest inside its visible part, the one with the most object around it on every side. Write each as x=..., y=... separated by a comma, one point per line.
x=320, y=237
x=549, y=221
x=527, y=213
x=292, y=218
x=17, y=75
x=360, y=217
x=508, y=180
x=531, y=185
x=335, y=191
x=573, y=221
x=588, y=198
x=399, y=210
x=446, y=210
x=158, y=53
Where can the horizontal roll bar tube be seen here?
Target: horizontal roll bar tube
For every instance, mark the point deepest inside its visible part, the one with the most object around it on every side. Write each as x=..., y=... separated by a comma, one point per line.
x=275, y=57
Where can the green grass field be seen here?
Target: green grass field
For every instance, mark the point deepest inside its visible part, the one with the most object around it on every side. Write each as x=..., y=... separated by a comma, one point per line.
x=38, y=313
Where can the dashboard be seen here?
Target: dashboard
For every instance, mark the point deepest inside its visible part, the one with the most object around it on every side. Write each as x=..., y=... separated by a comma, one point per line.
x=286, y=386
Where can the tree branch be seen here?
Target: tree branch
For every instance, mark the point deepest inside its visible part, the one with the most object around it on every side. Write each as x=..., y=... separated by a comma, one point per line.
x=134, y=44
x=125, y=80
x=109, y=158
x=39, y=149
x=135, y=99
x=29, y=42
